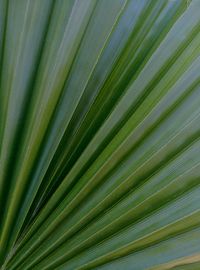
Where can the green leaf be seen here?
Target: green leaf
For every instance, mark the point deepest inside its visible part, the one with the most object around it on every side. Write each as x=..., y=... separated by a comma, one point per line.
x=99, y=134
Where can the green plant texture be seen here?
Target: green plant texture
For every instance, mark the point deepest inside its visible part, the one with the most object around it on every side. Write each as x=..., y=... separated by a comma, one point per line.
x=99, y=134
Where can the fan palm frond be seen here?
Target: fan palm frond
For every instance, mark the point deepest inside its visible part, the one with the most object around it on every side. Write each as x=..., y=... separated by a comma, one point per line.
x=99, y=134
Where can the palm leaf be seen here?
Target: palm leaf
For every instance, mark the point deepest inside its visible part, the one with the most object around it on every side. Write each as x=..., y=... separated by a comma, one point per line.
x=99, y=134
